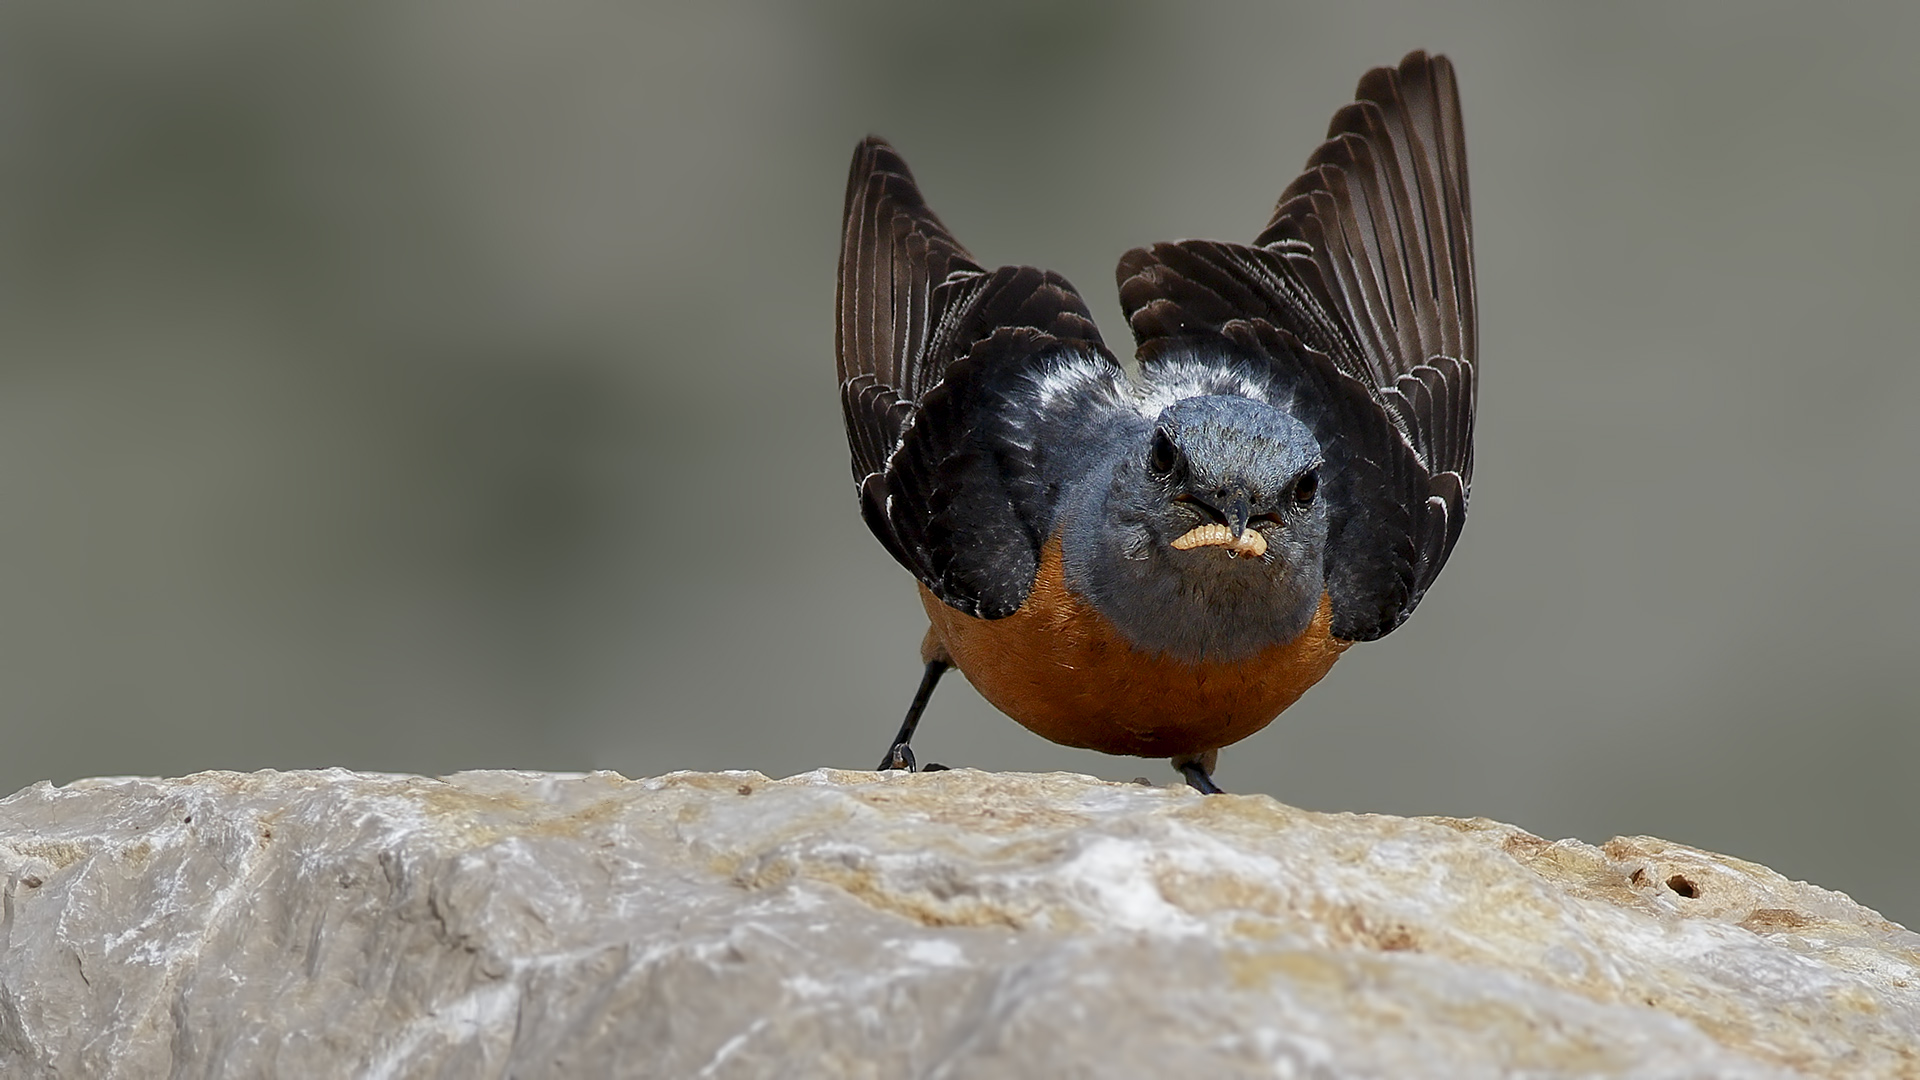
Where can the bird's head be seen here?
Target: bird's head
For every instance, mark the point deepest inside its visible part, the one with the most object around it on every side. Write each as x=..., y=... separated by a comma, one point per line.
x=1230, y=477
x=1209, y=540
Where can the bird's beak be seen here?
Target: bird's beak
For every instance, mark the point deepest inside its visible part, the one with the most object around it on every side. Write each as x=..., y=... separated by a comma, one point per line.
x=1230, y=533
x=1236, y=513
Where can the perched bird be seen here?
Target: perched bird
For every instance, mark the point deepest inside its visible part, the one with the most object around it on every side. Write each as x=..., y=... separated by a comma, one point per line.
x=1158, y=565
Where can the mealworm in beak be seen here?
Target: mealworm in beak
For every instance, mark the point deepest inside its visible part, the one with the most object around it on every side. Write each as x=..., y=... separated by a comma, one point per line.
x=1251, y=543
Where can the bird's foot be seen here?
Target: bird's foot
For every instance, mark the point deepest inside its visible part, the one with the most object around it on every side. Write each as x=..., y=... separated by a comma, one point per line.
x=901, y=758
x=1198, y=769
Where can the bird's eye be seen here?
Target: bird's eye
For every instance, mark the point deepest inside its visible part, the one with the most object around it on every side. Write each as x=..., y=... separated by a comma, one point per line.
x=1306, y=487
x=1162, y=456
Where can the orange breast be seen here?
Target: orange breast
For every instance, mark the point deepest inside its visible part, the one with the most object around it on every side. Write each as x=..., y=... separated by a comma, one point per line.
x=1060, y=668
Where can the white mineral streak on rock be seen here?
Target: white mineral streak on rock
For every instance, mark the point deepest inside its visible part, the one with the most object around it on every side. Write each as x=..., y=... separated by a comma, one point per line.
x=951, y=924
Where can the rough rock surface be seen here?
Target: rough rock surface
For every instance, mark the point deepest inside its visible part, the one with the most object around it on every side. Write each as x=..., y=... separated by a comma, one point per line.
x=952, y=924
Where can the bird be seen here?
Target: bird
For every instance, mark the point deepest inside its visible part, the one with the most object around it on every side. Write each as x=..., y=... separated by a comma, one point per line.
x=1157, y=563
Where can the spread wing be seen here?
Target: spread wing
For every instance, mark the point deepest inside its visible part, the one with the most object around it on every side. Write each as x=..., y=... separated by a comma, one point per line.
x=1356, y=306
x=935, y=352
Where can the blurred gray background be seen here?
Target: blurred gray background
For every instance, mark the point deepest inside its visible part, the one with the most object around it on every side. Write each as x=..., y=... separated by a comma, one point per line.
x=427, y=386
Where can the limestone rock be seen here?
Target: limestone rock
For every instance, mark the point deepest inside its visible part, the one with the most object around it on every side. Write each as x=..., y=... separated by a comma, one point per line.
x=952, y=924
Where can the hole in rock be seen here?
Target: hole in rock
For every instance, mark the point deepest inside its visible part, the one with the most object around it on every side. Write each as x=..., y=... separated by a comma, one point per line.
x=1679, y=884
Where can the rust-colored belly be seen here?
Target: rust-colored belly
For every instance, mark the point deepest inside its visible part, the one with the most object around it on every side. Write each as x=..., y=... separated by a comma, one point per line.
x=1061, y=669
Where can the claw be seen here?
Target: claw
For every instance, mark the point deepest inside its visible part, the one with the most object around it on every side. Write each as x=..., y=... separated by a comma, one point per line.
x=1198, y=780
x=1198, y=769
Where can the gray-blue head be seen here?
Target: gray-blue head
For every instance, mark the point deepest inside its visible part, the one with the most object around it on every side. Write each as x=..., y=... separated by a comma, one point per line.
x=1207, y=542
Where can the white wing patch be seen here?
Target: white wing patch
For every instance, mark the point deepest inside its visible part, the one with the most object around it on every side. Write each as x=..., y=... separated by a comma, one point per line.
x=1075, y=377
x=1180, y=379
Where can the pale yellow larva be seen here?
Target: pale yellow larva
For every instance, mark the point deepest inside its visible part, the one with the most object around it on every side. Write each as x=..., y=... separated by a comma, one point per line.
x=1250, y=544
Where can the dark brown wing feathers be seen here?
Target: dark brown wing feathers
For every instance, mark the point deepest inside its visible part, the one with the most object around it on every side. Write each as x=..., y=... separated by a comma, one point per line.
x=894, y=252
x=1367, y=266
x=1384, y=205
x=928, y=340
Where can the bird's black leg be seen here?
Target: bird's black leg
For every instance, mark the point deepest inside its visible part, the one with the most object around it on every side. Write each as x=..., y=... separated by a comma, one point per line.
x=900, y=755
x=1198, y=769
